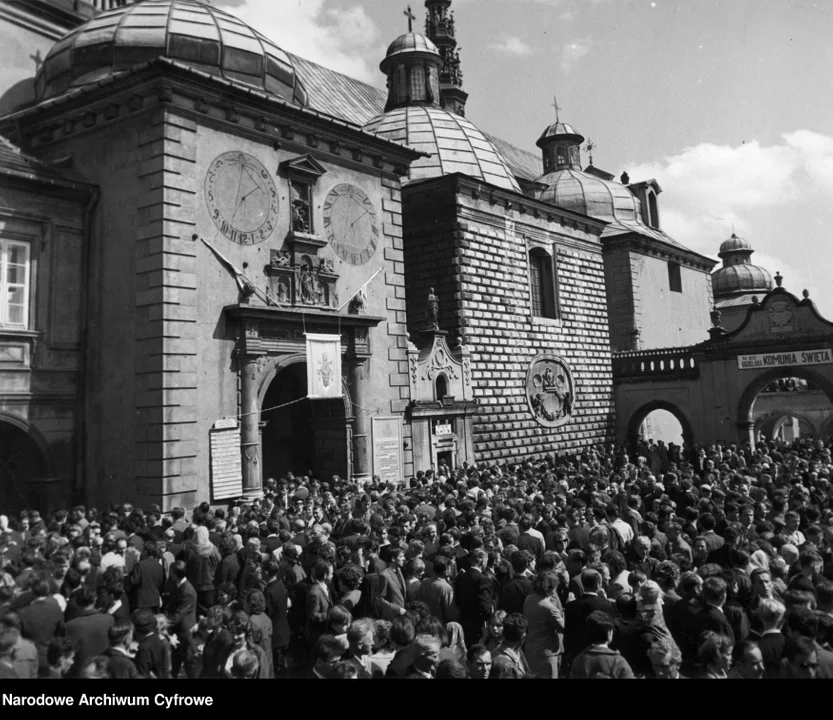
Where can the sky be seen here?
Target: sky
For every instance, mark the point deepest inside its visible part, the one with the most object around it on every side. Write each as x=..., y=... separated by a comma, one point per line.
x=726, y=103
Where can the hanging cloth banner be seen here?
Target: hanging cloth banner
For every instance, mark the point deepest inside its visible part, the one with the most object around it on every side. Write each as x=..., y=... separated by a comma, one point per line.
x=323, y=367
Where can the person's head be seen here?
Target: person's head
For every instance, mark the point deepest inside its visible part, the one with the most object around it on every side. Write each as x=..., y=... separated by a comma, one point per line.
x=771, y=613
x=599, y=626
x=426, y=653
x=802, y=621
x=144, y=622
x=762, y=584
x=642, y=546
x=322, y=571
x=714, y=591
x=120, y=634
x=239, y=627
x=178, y=570
x=402, y=631
x=360, y=637
x=245, y=665
x=339, y=619
x=514, y=629
x=666, y=658
x=60, y=653
x=748, y=660
x=802, y=657
x=496, y=624
x=591, y=580
x=503, y=669
x=546, y=583
x=715, y=651
x=479, y=662
x=96, y=669
x=328, y=650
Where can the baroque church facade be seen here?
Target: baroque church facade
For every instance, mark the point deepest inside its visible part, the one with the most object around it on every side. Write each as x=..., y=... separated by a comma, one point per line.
x=193, y=206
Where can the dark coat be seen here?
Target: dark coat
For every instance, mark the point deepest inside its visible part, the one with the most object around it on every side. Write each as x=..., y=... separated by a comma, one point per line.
x=276, y=596
x=215, y=645
x=514, y=594
x=319, y=603
x=228, y=571
x=147, y=580
x=41, y=621
x=710, y=618
x=153, y=656
x=89, y=629
x=575, y=615
x=772, y=650
x=474, y=595
x=121, y=666
x=182, y=608
x=531, y=544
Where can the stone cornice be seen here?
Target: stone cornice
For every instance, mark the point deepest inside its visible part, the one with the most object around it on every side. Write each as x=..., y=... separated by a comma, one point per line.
x=655, y=248
x=164, y=82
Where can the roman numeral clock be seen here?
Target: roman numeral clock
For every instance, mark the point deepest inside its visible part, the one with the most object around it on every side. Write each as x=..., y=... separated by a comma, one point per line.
x=350, y=224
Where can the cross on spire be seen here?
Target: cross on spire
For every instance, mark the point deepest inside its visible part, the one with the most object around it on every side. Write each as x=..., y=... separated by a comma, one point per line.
x=37, y=59
x=411, y=17
x=556, y=106
x=591, y=146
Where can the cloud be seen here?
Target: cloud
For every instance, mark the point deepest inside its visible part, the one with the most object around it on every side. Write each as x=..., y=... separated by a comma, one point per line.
x=512, y=45
x=574, y=50
x=340, y=38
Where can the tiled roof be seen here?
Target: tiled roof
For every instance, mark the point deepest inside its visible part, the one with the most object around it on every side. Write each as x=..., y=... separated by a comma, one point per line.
x=454, y=143
x=15, y=162
x=186, y=30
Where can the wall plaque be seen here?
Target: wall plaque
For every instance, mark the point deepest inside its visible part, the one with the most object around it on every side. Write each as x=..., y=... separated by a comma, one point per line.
x=226, y=461
x=387, y=449
x=550, y=390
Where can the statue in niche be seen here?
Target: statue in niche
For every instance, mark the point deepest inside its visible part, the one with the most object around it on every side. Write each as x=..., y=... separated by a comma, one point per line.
x=322, y=293
x=358, y=304
x=326, y=265
x=283, y=291
x=309, y=292
x=300, y=207
x=432, y=313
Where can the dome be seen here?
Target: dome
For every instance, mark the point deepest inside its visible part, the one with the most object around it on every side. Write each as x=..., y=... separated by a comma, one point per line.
x=560, y=130
x=454, y=143
x=734, y=244
x=188, y=31
x=411, y=42
x=590, y=195
x=742, y=278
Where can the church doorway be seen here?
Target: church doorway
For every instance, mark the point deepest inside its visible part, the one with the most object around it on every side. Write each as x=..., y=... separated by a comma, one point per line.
x=304, y=437
x=22, y=464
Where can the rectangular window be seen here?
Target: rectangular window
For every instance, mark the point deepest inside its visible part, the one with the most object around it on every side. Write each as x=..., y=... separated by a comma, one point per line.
x=675, y=281
x=542, y=284
x=14, y=286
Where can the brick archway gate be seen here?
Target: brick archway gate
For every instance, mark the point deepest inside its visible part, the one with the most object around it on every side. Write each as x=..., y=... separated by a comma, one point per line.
x=714, y=385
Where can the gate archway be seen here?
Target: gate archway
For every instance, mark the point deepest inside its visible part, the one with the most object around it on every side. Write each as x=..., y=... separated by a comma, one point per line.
x=645, y=410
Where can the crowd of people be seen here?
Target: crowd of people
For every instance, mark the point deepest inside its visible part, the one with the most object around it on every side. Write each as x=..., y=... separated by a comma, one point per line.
x=712, y=562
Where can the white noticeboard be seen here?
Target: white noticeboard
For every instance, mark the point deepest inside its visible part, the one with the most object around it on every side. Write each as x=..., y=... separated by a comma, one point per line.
x=226, y=460
x=787, y=358
x=387, y=449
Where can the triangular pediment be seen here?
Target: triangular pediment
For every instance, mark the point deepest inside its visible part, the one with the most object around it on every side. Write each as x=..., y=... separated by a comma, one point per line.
x=305, y=165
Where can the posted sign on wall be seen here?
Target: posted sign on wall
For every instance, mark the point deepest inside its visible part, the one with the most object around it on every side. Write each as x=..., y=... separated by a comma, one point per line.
x=785, y=359
x=387, y=450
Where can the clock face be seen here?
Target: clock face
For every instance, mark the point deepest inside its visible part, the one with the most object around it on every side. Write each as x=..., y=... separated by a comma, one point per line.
x=351, y=225
x=241, y=198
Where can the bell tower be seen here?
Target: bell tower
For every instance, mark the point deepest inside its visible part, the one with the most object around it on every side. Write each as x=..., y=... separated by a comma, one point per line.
x=440, y=28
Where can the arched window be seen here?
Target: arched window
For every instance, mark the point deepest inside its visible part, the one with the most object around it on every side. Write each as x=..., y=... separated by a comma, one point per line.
x=435, y=84
x=542, y=283
x=653, y=210
x=400, y=85
x=441, y=387
x=417, y=84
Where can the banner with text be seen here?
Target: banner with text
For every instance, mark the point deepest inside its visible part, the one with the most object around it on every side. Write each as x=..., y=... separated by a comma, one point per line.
x=785, y=359
x=323, y=367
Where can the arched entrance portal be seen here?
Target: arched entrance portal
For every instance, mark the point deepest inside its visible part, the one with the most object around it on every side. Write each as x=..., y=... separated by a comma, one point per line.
x=306, y=437
x=636, y=424
x=22, y=465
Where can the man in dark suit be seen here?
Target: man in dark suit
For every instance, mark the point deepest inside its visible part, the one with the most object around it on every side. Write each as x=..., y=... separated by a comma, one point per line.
x=713, y=540
x=277, y=610
x=182, y=614
x=711, y=617
x=528, y=542
x=41, y=620
x=721, y=555
x=89, y=629
x=147, y=579
x=394, y=593
x=319, y=601
x=475, y=597
x=122, y=666
x=577, y=612
x=513, y=595
x=153, y=656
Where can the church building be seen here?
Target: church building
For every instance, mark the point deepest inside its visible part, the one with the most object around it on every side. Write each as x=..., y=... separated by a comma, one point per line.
x=259, y=265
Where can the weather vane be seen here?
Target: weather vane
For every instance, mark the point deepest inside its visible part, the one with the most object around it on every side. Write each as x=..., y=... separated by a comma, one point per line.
x=556, y=106
x=591, y=146
x=411, y=17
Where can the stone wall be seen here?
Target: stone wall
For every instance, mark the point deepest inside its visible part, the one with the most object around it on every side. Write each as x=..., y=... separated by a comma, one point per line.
x=471, y=242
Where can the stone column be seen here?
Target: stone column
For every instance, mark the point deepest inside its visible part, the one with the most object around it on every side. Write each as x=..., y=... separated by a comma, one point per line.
x=358, y=382
x=250, y=428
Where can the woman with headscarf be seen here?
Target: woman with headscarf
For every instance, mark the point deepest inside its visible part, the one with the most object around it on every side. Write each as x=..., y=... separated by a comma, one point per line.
x=455, y=644
x=758, y=560
x=201, y=561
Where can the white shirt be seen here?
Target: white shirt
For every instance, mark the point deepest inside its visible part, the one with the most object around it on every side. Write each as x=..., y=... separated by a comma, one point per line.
x=112, y=559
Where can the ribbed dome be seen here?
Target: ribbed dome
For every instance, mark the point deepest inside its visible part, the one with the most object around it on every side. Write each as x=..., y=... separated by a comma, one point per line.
x=590, y=195
x=185, y=30
x=735, y=244
x=560, y=130
x=455, y=145
x=741, y=278
x=411, y=42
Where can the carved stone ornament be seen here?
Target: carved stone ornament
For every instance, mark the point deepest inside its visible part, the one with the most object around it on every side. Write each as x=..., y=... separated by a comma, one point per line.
x=550, y=390
x=780, y=317
x=440, y=362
